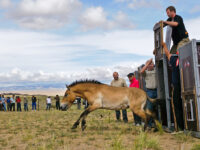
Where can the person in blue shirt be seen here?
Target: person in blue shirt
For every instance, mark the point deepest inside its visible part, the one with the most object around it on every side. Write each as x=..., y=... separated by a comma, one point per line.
x=1, y=105
x=8, y=104
x=3, y=102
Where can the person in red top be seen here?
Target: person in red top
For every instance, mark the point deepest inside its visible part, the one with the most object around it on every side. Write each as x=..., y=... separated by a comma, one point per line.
x=134, y=83
x=18, y=100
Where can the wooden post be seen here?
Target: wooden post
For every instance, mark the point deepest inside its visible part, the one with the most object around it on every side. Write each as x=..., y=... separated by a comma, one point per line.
x=38, y=104
x=196, y=107
x=173, y=110
x=183, y=98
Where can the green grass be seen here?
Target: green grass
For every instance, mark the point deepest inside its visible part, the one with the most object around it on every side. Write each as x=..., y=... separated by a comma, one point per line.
x=46, y=130
x=196, y=147
x=142, y=141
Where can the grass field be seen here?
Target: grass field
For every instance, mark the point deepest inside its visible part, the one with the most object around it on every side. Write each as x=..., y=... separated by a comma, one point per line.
x=46, y=130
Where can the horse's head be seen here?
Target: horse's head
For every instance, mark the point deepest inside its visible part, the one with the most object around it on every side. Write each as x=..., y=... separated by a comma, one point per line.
x=68, y=99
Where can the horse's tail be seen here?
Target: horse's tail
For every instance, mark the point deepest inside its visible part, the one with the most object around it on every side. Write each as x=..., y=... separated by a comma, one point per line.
x=151, y=99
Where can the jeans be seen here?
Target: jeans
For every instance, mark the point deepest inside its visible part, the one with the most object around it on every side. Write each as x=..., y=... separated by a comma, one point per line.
x=25, y=107
x=86, y=104
x=19, y=107
x=4, y=106
x=48, y=106
x=34, y=106
x=12, y=106
x=151, y=94
x=9, y=106
x=178, y=106
x=124, y=114
x=58, y=105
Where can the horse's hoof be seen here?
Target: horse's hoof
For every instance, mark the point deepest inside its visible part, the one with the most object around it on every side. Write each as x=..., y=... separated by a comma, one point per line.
x=73, y=127
x=155, y=130
x=83, y=127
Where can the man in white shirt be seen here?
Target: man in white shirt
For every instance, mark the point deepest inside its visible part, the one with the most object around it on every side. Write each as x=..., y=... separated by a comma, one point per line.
x=48, y=103
x=119, y=82
x=12, y=100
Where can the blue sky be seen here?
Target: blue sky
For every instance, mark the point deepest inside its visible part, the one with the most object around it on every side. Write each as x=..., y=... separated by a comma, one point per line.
x=66, y=40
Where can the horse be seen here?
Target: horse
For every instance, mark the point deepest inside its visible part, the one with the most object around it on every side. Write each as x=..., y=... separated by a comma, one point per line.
x=102, y=96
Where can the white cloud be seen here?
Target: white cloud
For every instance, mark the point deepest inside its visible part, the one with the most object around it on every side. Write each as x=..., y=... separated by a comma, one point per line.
x=96, y=17
x=136, y=4
x=32, y=51
x=192, y=26
x=5, y=3
x=103, y=74
x=44, y=14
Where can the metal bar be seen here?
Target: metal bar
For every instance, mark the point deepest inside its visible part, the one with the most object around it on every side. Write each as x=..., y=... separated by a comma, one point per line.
x=165, y=73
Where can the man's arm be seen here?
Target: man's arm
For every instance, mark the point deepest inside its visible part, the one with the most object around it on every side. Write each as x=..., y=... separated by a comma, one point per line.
x=171, y=23
x=166, y=51
x=146, y=65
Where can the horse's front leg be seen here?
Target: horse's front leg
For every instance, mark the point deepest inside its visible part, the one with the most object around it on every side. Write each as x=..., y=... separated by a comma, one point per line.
x=90, y=109
x=78, y=121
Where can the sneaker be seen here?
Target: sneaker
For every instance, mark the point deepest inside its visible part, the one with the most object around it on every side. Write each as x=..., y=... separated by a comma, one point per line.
x=174, y=133
x=125, y=121
x=137, y=125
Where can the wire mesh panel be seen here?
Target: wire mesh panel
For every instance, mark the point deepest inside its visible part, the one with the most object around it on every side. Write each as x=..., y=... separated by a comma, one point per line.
x=189, y=56
x=158, y=39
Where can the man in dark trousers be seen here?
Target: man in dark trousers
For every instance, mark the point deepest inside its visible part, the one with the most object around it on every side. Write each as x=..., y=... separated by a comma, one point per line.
x=57, y=98
x=119, y=82
x=176, y=86
x=34, y=103
x=179, y=32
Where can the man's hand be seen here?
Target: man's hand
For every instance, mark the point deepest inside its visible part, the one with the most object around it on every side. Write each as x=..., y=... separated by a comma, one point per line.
x=164, y=22
x=154, y=51
x=149, y=61
x=164, y=45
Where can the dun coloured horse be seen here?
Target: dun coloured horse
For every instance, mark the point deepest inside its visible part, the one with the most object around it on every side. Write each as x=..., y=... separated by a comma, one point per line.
x=102, y=96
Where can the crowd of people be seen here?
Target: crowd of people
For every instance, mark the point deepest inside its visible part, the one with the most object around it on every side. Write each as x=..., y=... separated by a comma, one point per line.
x=9, y=103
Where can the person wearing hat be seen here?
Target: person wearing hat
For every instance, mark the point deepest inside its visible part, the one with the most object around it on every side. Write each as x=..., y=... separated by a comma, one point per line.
x=119, y=82
x=134, y=83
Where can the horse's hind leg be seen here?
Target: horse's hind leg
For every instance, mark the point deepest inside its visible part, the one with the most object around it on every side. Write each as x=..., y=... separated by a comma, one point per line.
x=143, y=115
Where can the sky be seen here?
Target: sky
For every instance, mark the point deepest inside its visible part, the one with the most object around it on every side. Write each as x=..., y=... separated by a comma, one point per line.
x=46, y=42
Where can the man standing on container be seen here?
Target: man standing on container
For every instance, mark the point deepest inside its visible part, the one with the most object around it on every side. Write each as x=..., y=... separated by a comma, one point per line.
x=119, y=82
x=179, y=32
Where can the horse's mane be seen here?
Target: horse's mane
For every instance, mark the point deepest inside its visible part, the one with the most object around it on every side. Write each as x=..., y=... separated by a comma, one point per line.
x=84, y=81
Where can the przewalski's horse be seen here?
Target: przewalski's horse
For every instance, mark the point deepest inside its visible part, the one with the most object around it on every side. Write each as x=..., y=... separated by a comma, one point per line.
x=102, y=96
